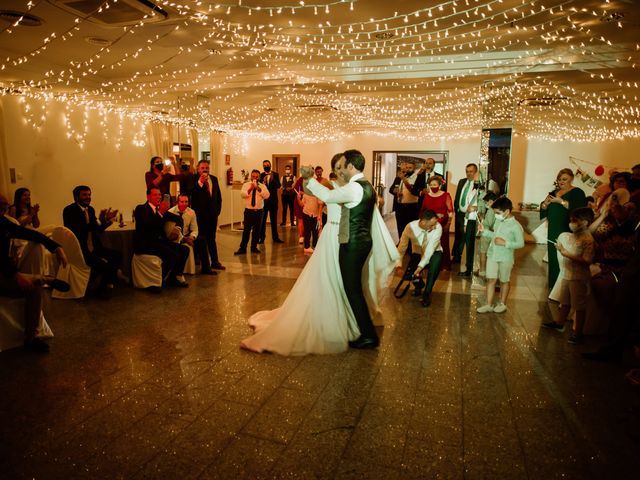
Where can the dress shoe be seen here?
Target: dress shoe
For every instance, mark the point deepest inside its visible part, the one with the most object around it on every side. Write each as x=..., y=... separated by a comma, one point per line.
x=218, y=266
x=365, y=343
x=277, y=240
x=455, y=260
x=283, y=224
x=426, y=302
x=464, y=274
x=176, y=282
x=240, y=251
x=36, y=345
x=55, y=283
x=208, y=271
x=255, y=250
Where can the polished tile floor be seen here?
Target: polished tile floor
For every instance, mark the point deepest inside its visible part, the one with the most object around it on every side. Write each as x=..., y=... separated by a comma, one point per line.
x=148, y=386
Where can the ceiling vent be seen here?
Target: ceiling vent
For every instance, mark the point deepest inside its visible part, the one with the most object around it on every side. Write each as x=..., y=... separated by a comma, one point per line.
x=384, y=35
x=100, y=42
x=124, y=12
x=24, y=19
x=541, y=101
x=319, y=107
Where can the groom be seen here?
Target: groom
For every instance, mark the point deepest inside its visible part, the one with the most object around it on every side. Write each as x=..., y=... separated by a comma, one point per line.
x=358, y=200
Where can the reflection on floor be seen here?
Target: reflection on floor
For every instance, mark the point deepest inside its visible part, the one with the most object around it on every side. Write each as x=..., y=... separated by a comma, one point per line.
x=147, y=386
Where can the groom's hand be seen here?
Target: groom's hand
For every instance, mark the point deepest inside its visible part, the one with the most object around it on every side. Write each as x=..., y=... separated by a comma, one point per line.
x=306, y=172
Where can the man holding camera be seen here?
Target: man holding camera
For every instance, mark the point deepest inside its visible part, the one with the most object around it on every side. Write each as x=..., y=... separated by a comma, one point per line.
x=271, y=180
x=254, y=194
x=160, y=176
x=466, y=208
x=405, y=192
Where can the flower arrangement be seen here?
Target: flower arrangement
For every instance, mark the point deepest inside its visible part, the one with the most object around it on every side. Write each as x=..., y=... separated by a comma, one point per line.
x=245, y=175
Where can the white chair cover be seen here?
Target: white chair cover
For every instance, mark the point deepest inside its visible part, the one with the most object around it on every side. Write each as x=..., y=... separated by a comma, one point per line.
x=76, y=273
x=12, y=324
x=190, y=266
x=146, y=271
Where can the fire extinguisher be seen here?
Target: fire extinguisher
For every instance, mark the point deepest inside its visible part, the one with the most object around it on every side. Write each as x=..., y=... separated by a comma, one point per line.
x=230, y=176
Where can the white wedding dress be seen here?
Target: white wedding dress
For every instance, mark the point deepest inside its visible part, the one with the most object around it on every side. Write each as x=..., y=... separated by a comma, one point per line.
x=316, y=316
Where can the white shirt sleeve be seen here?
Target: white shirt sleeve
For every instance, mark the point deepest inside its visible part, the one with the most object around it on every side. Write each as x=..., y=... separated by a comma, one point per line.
x=350, y=194
x=244, y=192
x=264, y=191
x=433, y=240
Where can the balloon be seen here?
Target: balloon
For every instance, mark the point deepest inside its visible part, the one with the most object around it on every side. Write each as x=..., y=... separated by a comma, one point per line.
x=599, y=170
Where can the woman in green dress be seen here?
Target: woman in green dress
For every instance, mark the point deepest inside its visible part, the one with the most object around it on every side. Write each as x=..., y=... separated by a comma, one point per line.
x=555, y=209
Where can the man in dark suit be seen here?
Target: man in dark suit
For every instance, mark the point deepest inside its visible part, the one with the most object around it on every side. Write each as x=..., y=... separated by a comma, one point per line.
x=150, y=238
x=272, y=181
x=466, y=208
x=206, y=201
x=80, y=218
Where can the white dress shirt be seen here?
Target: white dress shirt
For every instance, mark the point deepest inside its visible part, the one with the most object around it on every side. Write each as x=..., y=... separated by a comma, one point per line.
x=469, y=200
x=423, y=242
x=261, y=196
x=349, y=195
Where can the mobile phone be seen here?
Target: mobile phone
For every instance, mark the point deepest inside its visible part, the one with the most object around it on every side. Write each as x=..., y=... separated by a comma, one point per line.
x=167, y=162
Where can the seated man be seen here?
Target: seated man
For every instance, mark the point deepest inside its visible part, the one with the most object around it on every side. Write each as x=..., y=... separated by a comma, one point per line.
x=424, y=235
x=80, y=218
x=188, y=224
x=17, y=285
x=150, y=239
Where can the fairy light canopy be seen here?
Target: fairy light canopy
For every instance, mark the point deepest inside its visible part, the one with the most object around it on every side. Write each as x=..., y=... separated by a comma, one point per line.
x=307, y=71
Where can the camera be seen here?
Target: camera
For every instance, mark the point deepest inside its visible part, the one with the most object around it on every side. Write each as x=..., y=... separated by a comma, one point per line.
x=418, y=282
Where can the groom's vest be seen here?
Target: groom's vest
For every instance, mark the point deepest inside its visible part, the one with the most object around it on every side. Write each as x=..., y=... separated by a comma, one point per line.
x=355, y=223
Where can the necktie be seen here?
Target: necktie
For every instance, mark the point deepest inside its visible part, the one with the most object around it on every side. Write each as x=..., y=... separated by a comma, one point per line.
x=268, y=179
x=253, y=197
x=465, y=190
x=89, y=234
x=157, y=210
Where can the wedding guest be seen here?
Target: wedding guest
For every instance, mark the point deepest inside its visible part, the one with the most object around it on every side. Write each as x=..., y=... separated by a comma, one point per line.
x=424, y=235
x=206, y=200
x=271, y=179
x=506, y=237
x=189, y=228
x=555, y=208
x=288, y=195
x=466, y=215
x=440, y=202
x=616, y=181
x=254, y=194
x=80, y=218
x=577, y=250
x=488, y=221
x=405, y=195
x=23, y=211
x=297, y=208
x=150, y=238
x=160, y=176
x=312, y=210
x=17, y=285
x=319, y=171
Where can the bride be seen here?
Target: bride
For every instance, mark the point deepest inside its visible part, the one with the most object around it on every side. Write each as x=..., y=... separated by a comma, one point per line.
x=316, y=316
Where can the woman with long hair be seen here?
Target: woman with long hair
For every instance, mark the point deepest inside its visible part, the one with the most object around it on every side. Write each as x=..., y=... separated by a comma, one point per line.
x=23, y=211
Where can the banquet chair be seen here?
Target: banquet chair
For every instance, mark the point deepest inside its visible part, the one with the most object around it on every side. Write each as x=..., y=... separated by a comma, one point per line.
x=12, y=324
x=77, y=273
x=146, y=271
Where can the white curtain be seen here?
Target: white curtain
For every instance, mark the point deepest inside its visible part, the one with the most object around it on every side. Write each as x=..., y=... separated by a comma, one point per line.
x=161, y=140
x=195, y=150
x=216, y=141
x=4, y=161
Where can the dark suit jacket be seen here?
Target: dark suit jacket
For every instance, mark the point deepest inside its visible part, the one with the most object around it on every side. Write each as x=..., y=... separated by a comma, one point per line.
x=149, y=227
x=73, y=218
x=207, y=206
x=273, y=187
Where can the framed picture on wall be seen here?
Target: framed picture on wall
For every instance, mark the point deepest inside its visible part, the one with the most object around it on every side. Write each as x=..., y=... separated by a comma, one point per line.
x=227, y=159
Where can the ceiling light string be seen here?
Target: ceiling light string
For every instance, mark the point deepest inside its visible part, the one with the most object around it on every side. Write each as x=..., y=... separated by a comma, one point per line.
x=31, y=5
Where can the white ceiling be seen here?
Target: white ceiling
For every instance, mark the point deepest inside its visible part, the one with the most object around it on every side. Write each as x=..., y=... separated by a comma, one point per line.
x=558, y=69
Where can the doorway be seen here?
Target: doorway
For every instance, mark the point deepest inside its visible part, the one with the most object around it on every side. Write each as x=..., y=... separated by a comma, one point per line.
x=281, y=160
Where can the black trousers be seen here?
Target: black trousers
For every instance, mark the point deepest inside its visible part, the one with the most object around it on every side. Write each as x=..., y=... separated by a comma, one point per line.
x=252, y=225
x=105, y=262
x=287, y=203
x=271, y=209
x=352, y=258
x=405, y=213
x=433, y=270
x=206, y=246
x=464, y=237
x=173, y=255
x=310, y=231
